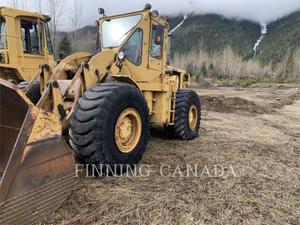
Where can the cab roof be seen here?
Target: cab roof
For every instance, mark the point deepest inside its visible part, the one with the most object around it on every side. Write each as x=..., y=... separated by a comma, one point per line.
x=12, y=12
x=144, y=13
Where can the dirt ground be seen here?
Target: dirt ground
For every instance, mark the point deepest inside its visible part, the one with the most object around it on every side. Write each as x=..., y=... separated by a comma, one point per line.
x=253, y=133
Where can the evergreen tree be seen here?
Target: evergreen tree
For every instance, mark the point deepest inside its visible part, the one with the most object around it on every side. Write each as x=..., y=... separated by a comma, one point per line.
x=64, y=47
x=203, y=70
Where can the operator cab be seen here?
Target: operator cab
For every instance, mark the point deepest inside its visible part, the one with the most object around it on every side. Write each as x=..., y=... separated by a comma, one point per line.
x=141, y=37
x=24, y=40
x=116, y=31
x=32, y=36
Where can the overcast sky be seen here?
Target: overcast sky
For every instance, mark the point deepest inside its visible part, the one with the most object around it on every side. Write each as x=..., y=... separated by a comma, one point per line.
x=255, y=10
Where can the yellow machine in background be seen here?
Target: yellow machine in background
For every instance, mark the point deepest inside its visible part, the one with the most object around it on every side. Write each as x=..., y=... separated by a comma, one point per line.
x=101, y=105
x=25, y=44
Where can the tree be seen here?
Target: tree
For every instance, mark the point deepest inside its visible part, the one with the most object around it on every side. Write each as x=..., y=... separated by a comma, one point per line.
x=23, y=4
x=37, y=4
x=19, y=4
x=64, y=47
x=76, y=12
x=203, y=70
x=211, y=70
x=56, y=10
x=14, y=3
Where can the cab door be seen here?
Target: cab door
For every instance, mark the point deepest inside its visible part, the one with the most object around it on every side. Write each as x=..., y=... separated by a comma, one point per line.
x=32, y=49
x=156, y=47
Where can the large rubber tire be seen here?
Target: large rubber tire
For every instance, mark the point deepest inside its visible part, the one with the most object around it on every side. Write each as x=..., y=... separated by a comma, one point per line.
x=93, y=125
x=185, y=99
x=34, y=94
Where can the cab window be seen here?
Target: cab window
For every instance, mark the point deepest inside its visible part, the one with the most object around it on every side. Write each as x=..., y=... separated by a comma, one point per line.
x=157, y=41
x=41, y=37
x=3, y=41
x=30, y=37
x=133, y=47
x=49, y=42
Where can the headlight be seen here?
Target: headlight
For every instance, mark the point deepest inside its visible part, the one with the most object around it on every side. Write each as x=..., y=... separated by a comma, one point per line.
x=121, y=56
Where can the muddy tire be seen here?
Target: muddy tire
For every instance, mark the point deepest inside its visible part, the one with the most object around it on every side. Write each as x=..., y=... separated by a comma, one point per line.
x=34, y=94
x=94, y=126
x=187, y=116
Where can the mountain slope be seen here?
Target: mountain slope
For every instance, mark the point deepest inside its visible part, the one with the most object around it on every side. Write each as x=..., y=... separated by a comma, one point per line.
x=208, y=32
x=228, y=45
x=214, y=37
x=282, y=39
x=213, y=33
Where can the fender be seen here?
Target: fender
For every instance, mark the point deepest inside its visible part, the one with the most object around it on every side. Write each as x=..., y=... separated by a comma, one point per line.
x=125, y=79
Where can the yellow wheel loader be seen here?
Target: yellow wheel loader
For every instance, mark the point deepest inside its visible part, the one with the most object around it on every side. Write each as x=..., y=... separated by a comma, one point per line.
x=97, y=107
x=25, y=44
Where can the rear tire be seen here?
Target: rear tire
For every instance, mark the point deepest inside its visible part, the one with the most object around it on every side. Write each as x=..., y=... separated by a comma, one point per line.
x=34, y=94
x=93, y=127
x=187, y=116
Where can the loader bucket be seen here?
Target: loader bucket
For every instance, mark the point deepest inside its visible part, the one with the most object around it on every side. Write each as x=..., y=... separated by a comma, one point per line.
x=36, y=164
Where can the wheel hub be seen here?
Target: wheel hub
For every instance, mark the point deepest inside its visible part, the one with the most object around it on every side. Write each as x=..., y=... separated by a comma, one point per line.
x=128, y=130
x=193, y=117
x=125, y=129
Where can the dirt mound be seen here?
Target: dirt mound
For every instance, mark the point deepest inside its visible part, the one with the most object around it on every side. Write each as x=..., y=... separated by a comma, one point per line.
x=283, y=87
x=287, y=100
x=231, y=105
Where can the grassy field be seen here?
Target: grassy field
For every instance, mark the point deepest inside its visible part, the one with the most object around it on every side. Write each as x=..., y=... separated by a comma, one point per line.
x=246, y=82
x=255, y=131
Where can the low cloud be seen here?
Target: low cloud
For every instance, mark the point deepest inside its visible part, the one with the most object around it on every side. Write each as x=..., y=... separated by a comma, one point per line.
x=262, y=11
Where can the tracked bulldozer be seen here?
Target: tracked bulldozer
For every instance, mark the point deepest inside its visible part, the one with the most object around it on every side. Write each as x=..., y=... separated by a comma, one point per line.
x=97, y=108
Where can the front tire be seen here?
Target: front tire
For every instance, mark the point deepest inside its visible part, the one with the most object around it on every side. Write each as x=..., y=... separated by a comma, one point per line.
x=110, y=125
x=187, y=115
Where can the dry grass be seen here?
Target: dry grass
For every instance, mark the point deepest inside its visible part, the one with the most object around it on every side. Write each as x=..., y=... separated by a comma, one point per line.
x=264, y=150
x=228, y=64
